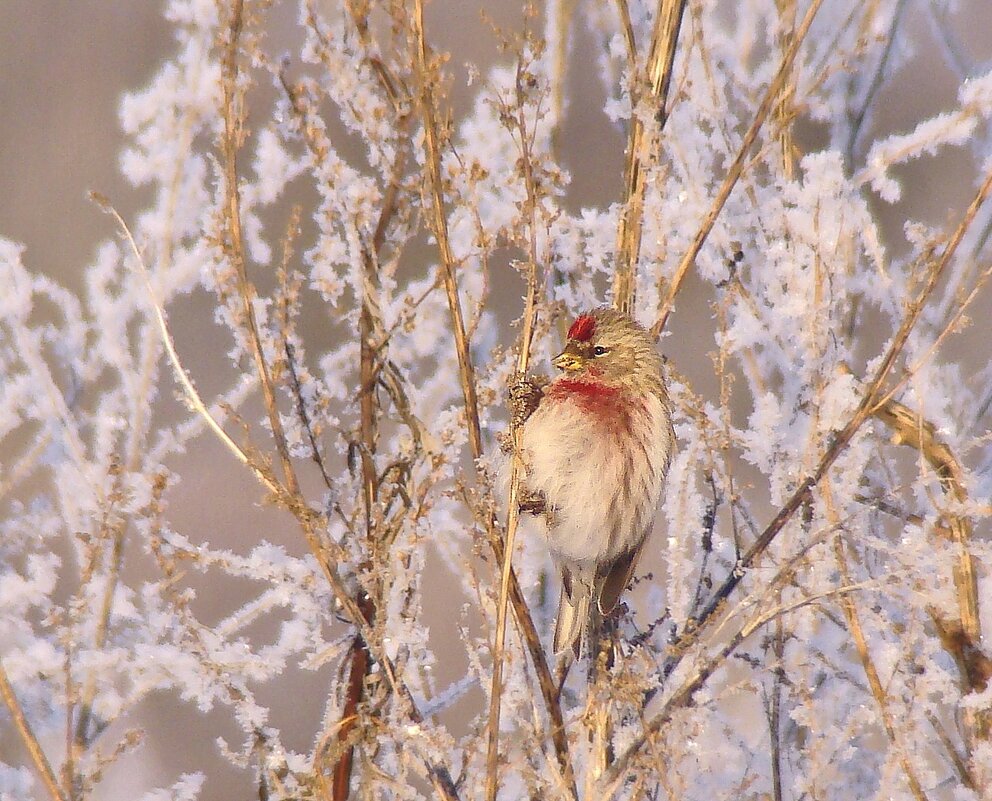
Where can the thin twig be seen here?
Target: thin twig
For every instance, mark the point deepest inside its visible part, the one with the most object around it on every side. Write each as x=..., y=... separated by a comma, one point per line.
x=502, y=548
x=736, y=169
x=189, y=391
x=38, y=757
x=871, y=673
x=233, y=133
x=513, y=507
x=877, y=79
x=623, y=9
x=642, y=146
x=775, y=709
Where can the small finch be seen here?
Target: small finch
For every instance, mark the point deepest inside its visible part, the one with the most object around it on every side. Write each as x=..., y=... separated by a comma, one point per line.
x=597, y=442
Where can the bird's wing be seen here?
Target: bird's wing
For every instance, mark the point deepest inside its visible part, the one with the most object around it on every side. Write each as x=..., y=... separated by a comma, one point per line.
x=615, y=579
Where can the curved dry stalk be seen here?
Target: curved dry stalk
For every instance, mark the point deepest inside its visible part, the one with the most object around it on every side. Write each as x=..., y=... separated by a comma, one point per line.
x=909, y=428
x=642, y=147
x=772, y=96
x=189, y=391
x=961, y=638
x=30, y=742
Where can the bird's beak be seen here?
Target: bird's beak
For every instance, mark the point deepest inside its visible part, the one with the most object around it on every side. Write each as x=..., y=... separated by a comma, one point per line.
x=569, y=359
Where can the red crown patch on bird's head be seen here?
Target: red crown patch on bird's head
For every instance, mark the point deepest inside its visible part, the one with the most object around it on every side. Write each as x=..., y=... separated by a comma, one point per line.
x=583, y=328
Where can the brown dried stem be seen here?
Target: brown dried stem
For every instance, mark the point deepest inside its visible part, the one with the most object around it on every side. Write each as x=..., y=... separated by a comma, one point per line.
x=784, y=106
x=961, y=638
x=234, y=244
x=871, y=673
x=772, y=95
x=909, y=428
x=502, y=549
x=643, y=145
x=30, y=742
x=432, y=148
x=513, y=506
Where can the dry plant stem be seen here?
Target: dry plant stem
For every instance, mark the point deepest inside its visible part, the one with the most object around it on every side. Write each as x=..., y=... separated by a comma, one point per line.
x=909, y=429
x=358, y=667
x=189, y=391
x=513, y=506
x=440, y=225
x=28, y=739
x=233, y=122
x=501, y=549
x=623, y=9
x=233, y=134
x=784, y=112
x=962, y=769
x=642, y=147
x=775, y=711
x=81, y=737
x=961, y=638
x=871, y=673
x=642, y=153
x=772, y=96
x=359, y=657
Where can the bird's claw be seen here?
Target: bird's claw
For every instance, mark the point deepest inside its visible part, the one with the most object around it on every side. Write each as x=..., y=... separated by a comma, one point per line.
x=525, y=393
x=533, y=503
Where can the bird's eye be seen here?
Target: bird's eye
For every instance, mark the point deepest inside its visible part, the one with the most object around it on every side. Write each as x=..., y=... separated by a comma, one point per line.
x=599, y=350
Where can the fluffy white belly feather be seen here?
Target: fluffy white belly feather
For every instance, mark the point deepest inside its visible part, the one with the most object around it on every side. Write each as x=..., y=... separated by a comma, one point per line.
x=602, y=480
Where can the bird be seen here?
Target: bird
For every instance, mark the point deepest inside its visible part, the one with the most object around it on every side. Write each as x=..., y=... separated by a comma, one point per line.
x=596, y=444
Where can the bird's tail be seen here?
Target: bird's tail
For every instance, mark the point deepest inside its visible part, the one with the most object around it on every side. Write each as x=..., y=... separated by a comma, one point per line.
x=575, y=609
x=590, y=596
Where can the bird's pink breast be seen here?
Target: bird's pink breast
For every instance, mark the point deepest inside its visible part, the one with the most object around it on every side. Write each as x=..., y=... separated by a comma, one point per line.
x=606, y=402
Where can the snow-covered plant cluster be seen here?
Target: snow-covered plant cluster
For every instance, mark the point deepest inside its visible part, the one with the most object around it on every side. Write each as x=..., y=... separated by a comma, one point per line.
x=813, y=619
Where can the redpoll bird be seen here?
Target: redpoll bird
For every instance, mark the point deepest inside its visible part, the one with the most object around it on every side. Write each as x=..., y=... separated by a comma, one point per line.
x=597, y=442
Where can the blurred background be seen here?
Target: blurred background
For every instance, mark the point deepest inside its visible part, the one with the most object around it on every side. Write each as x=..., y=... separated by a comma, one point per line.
x=63, y=69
